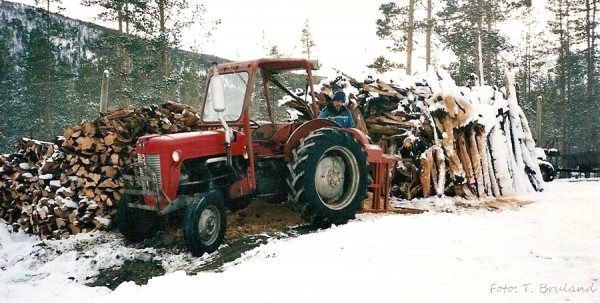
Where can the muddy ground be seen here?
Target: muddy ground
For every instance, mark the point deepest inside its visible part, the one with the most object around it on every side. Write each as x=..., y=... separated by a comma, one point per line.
x=246, y=229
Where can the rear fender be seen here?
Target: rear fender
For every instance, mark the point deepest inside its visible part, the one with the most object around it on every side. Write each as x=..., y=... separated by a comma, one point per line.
x=302, y=132
x=374, y=151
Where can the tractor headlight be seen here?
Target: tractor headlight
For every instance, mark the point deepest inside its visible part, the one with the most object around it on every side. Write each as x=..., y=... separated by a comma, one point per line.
x=176, y=156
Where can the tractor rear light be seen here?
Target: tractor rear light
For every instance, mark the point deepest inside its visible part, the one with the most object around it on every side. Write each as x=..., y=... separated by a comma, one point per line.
x=176, y=156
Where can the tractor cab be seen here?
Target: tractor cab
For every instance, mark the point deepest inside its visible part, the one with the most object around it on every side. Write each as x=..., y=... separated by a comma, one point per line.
x=257, y=97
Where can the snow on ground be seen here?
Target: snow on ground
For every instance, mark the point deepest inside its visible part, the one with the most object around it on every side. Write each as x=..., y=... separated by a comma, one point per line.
x=547, y=251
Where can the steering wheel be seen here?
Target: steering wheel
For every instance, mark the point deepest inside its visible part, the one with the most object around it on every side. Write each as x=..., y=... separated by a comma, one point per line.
x=254, y=124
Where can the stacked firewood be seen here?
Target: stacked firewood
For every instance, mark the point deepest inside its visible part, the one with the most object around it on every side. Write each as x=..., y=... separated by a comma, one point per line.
x=470, y=142
x=55, y=189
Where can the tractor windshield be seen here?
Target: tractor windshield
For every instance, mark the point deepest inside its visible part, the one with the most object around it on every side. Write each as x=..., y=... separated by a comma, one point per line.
x=286, y=95
x=235, y=89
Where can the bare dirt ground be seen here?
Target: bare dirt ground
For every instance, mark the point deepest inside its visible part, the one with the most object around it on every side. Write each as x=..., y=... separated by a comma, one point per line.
x=261, y=217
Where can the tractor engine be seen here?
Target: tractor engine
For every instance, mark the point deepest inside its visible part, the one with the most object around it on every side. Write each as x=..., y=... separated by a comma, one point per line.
x=205, y=174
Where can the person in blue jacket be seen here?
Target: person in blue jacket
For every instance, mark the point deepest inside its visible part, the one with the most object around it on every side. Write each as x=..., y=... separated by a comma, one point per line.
x=337, y=111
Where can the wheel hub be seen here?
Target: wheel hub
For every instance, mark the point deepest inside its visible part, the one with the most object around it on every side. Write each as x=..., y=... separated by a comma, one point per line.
x=330, y=177
x=334, y=177
x=207, y=224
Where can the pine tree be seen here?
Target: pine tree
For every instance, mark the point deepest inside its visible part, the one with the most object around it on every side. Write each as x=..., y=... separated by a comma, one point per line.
x=190, y=90
x=307, y=41
x=274, y=52
x=126, y=13
x=159, y=21
x=39, y=71
x=163, y=24
x=531, y=75
x=382, y=65
x=6, y=69
x=47, y=60
x=461, y=28
x=395, y=28
x=399, y=26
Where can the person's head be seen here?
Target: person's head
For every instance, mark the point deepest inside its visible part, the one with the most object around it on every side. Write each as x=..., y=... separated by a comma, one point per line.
x=339, y=99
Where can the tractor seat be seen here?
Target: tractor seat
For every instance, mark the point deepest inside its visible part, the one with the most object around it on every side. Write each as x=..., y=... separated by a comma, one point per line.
x=264, y=132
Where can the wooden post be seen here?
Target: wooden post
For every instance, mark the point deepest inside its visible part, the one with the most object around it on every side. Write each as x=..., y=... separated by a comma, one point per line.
x=104, y=92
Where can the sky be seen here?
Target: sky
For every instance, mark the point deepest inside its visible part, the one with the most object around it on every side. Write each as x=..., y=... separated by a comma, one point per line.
x=533, y=253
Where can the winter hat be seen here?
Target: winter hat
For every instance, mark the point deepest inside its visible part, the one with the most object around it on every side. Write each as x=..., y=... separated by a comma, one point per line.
x=340, y=95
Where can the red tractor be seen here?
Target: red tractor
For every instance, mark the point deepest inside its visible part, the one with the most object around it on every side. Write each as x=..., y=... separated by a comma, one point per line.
x=248, y=148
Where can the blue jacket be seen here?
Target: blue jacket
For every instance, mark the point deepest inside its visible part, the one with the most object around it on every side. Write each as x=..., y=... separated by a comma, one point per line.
x=343, y=117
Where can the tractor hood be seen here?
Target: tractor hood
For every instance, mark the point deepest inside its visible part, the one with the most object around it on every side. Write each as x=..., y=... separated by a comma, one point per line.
x=190, y=144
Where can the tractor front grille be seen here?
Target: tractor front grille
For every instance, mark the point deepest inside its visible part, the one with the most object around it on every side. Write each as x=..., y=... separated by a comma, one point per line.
x=151, y=169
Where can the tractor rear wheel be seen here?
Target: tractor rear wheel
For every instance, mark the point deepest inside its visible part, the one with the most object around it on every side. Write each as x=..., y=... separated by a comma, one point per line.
x=328, y=177
x=133, y=223
x=204, y=224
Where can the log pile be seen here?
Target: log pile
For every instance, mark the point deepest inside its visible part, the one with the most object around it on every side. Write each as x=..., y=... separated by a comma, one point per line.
x=471, y=142
x=55, y=189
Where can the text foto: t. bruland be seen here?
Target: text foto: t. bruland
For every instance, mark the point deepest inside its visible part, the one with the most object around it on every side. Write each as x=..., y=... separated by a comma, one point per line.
x=542, y=288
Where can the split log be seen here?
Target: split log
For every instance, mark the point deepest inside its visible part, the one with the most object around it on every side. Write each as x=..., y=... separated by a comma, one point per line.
x=426, y=171
x=475, y=159
x=465, y=158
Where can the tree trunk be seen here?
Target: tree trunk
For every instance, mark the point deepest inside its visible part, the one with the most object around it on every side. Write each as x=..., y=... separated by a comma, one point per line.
x=481, y=11
x=591, y=46
x=490, y=58
x=164, y=51
x=410, y=30
x=562, y=81
x=123, y=56
x=428, y=35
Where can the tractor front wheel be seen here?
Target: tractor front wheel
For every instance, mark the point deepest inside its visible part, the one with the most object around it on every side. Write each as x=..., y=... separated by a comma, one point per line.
x=204, y=224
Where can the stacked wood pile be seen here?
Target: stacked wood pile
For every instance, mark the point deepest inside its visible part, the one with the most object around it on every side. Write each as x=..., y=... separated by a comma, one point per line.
x=448, y=140
x=55, y=189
